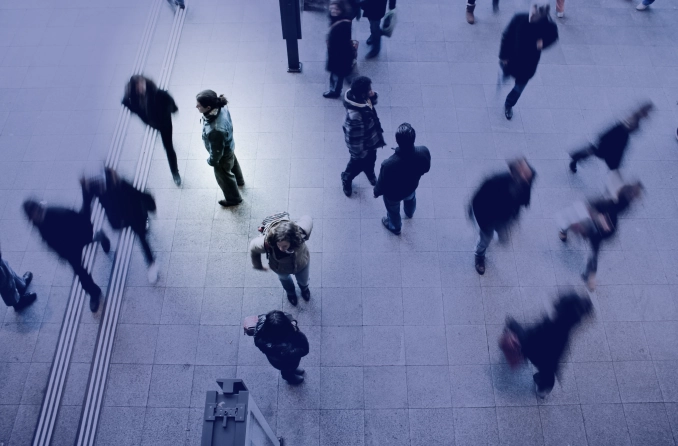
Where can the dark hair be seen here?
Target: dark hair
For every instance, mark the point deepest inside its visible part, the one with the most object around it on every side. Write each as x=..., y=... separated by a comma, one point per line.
x=208, y=98
x=150, y=85
x=277, y=326
x=571, y=308
x=286, y=231
x=30, y=206
x=361, y=87
x=405, y=135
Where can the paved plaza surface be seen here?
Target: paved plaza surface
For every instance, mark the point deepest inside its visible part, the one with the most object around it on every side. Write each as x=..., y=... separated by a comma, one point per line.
x=403, y=331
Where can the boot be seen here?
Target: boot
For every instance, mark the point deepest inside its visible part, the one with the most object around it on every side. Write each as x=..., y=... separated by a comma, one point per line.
x=573, y=166
x=299, y=371
x=292, y=297
x=348, y=189
x=469, y=14
x=372, y=179
x=495, y=6
x=177, y=179
x=306, y=294
x=508, y=112
x=28, y=277
x=25, y=301
x=480, y=264
x=563, y=235
x=295, y=380
x=101, y=238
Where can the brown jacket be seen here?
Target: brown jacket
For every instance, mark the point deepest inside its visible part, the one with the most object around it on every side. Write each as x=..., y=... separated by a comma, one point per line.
x=289, y=265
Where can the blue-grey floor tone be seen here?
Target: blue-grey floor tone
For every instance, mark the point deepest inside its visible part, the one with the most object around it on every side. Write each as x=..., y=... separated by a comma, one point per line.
x=403, y=332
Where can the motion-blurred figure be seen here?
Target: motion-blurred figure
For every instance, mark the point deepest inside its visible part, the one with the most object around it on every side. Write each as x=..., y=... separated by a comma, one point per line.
x=340, y=51
x=642, y=6
x=399, y=177
x=125, y=206
x=217, y=135
x=176, y=3
x=612, y=144
x=155, y=107
x=67, y=232
x=374, y=11
x=496, y=204
x=13, y=288
x=544, y=343
x=471, y=6
x=521, y=45
x=362, y=132
x=596, y=221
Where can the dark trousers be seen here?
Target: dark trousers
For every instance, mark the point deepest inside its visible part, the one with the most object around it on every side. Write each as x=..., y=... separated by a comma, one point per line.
x=140, y=231
x=357, y=165
x=393, y=210
x=287, y=372
x=91, y=288
x=544, y=380
x=166, y=136
x=515, y=93
x=375, y=35
x=336, y=83
x=229, y=176
x=582, y=154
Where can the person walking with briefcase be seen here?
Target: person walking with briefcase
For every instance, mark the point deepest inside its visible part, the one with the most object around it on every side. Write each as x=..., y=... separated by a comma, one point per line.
x=375, y=10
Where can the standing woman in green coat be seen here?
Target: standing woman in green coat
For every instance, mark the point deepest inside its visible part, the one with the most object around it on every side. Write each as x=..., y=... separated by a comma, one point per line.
x=217, y=134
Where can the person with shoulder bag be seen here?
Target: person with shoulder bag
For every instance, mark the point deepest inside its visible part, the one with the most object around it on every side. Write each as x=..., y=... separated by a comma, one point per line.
x=374, y=11
x=341, y=52
x=277, y=335
x=284, y=243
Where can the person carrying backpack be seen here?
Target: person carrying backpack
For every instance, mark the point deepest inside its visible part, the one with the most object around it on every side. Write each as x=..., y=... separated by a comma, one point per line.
x=284, y=243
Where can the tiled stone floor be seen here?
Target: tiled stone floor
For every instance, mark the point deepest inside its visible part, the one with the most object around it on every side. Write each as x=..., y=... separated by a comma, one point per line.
x=403, y=331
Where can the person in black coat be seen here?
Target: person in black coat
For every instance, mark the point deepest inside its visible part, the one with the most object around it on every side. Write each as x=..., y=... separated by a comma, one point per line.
x=596, y=222
x=278, y=337
x=399, y=177
x=521, y=45
x=67, y=232
x=544, y=343
x=374, y=11
x=155, y=108
x=14, y=289
x=497, y=203
x=612, y=144
x=126, y=206
x=340, y=51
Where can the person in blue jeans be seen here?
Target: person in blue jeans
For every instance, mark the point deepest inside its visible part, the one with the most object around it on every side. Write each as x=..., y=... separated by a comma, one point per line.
x=399, y=177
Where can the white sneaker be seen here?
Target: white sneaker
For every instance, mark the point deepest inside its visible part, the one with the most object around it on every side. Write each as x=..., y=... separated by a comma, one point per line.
x=153, y=273
x=641, y=7
x=560, y=15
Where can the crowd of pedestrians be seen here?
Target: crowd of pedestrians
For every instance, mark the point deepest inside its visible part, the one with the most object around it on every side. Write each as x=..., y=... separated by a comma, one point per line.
x=494, y=207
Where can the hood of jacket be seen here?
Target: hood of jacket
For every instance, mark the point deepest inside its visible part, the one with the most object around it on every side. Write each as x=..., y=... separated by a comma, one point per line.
x=351, y=103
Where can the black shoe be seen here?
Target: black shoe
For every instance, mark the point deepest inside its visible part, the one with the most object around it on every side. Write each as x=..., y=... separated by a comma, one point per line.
x=372, y=180
x=508, y=112
x=573, y=166
x=94, y=303
x=495, y=6
x=241, y=184
x=295, y=380
x=348, y=189
x=225, y=204
x=176, y=177
x=384, y=221
x=28, y=278
x=292, y=297
x=480, y=265
x=329, y=94
x=299, y=371
x=372, y=54
x=25, y=301
x=105, y=242
x=369, y=40
x=306, y=294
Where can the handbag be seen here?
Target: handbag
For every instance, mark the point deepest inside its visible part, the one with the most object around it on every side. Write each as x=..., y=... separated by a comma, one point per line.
x=355, y=45
x=389, y=23
x=510, y=346
x=249, y=325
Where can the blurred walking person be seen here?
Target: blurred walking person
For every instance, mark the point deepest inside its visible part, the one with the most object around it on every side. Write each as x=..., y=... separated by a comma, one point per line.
x=362, y=132
x=67, y=232
x=155, y=107
x=471, y=6
x=340, y=50
x=399, y=177
x=496, y=204
x=544, y=343
x=374, y=11
x=14, y=289
x=217, y=135
x=596, y=221
x=126, y=206
x=645, y=4
x=279, y=338
x=611, y=145
x=284, y=243
x=521, y=45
